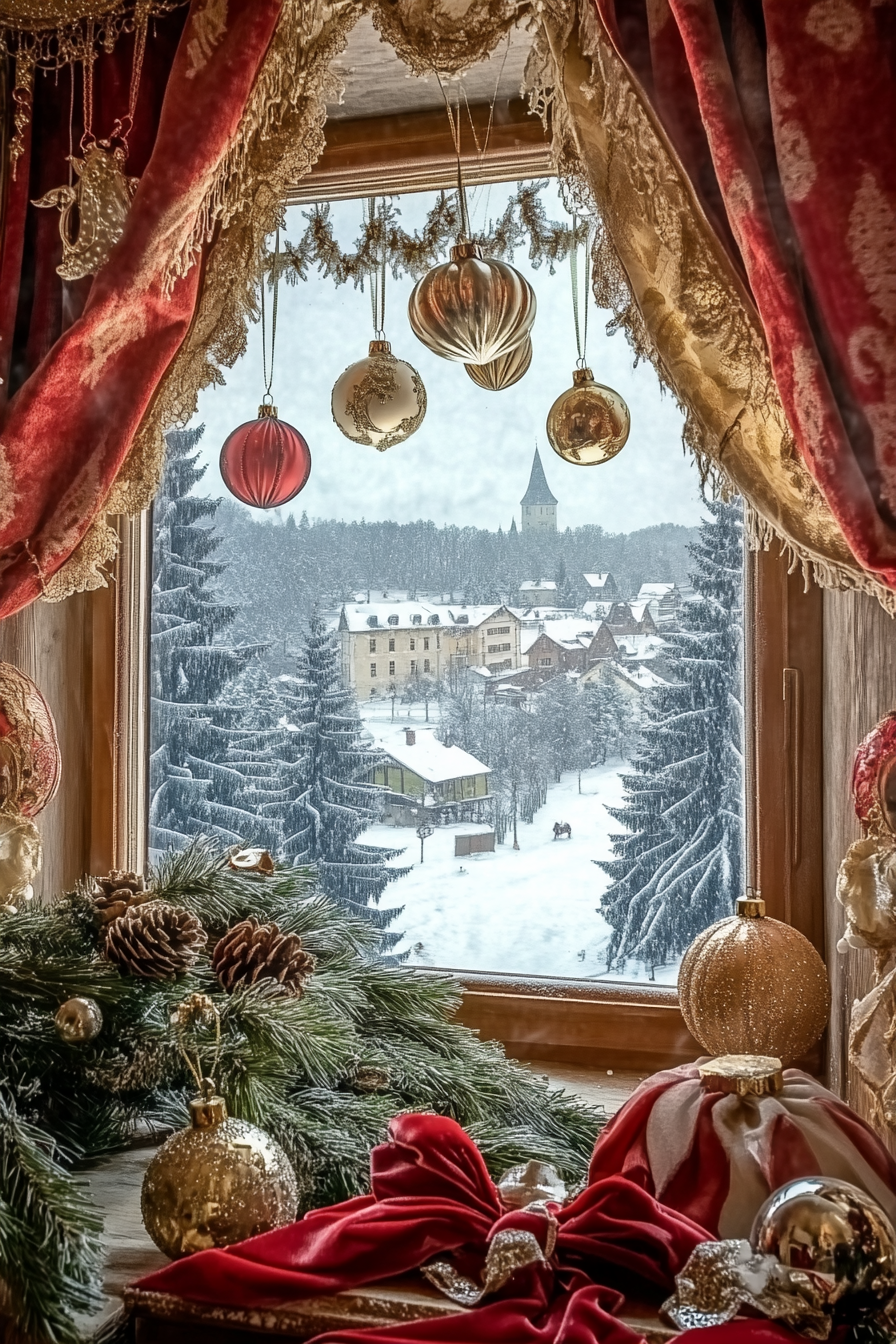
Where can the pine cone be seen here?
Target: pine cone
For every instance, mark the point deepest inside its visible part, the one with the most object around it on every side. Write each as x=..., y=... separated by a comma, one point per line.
x=155, y=941
x=117, y=893
x=250, y=952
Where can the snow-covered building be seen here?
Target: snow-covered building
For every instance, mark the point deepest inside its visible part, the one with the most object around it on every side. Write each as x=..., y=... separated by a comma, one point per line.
x=601, y=586
x=664, y=601
x=421, y=774
x=538, y=593
x=567, y=646
x=538, y=504
x=631, y=618
x=386, y=645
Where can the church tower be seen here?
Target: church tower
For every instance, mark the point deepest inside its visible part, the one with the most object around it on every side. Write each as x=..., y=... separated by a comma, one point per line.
x=539, y=505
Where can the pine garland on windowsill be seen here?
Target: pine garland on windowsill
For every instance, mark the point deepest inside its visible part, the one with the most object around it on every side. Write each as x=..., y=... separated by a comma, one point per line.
x=322, y=1073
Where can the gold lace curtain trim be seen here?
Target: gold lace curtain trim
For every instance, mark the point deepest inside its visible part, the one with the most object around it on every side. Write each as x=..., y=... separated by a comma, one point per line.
x=657, y=265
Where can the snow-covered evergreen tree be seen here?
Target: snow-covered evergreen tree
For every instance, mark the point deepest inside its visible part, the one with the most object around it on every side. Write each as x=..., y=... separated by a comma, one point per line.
x=228, y=745
x=338, y=800
x=680, y=866
x=563, y=727
x=612, y=719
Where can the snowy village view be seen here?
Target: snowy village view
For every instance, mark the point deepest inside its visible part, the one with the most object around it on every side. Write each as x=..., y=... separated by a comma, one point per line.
x=508, y=735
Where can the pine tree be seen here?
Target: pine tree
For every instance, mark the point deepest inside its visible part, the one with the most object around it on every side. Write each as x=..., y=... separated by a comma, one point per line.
x=338, y=799
x=189, y=667
x=563, y=727
x=680, y=866
x=612, y=718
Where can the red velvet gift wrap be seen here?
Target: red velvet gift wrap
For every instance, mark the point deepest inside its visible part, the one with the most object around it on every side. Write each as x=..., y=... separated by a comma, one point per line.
x=433, y=1197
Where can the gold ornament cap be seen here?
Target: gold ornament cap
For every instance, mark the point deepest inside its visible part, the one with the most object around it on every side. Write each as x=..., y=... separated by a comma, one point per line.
x=466, y=249
x=582, y=376
x=751, y=906
x=267, y=412
x=207, y=1112
x=380, y=348
x=745, y=1075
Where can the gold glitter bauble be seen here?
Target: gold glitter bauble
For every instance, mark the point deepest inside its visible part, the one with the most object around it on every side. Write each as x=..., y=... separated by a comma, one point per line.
x=471, y=309
x=820, y=1225
x=79, y=1021
x=216, y=1183
x=380, y=400
x=589, y=423
x=504, y=371
x=750, y=985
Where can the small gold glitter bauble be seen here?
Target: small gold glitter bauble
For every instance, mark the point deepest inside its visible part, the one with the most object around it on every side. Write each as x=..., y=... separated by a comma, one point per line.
x=750, y=985
x=504, y=371
x=216, y=1183
x=471, y=309
x=380, y=400
x=589, y=423
x=829, y=1227
x=79, y=1021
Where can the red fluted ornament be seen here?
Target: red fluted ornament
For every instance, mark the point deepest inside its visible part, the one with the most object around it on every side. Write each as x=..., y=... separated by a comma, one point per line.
x=265, y=462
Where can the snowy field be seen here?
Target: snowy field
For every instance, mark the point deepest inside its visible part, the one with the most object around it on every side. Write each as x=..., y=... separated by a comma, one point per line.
x=529, y=911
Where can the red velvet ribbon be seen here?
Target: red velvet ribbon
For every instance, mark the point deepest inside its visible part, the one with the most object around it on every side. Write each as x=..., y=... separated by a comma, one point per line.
x=432, y=1196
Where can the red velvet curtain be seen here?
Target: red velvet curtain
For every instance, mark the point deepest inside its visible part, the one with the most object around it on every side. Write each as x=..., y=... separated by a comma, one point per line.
x=783, y=114
x=82, y=361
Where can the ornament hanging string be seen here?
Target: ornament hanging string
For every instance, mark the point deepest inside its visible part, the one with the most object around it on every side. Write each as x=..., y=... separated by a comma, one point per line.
x=268, y=399
x=581, y=331
x=454, y=123
x=378, y=274
x=481, y=150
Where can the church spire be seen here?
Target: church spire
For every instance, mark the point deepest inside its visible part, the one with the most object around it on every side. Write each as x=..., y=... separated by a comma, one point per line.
x=538, y=491
x=539, y=505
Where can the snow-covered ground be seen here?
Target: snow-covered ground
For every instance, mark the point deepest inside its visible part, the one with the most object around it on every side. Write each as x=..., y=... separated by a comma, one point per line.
x=529, y=911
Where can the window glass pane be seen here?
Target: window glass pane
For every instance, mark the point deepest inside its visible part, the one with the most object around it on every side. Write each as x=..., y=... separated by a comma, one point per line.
x=568, y=754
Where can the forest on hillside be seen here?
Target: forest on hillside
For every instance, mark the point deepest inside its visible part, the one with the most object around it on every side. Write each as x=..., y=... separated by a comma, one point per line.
x=277, y=570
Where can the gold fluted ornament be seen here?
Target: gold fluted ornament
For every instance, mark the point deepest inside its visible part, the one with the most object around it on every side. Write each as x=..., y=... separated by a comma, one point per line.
x=216, y=1183
x=589, y=423
x=471, y=309
x=379, y=401
x=504, y=371
x=750, y=985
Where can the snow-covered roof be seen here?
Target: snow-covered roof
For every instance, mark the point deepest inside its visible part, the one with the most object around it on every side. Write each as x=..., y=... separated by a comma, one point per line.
x=431, y=759
x=654, y=590
x=571, y=632
x=530, y=585
x=638, y=608
x=365, y=617
x=642, y=677
x=596, y=580
x=641, y=647
x=594, y=608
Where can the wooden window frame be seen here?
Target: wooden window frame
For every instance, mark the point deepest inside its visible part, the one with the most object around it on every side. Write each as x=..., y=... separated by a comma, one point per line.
x=622, y=1026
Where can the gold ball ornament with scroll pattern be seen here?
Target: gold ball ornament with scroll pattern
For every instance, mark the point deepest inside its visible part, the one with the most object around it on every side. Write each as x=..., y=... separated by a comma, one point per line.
x=504, y=371
x=588, y=423
x=379, y=401
x=471, y=309
x=78, y=1020
x=216, y=1183
x=750, y=985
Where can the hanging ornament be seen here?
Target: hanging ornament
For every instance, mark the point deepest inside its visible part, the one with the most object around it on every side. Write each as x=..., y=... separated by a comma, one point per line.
x=266, y=462
x=589, y=423
x=95, y=204
x=504, y=371
x=750, y=985
x=471, y=309
x=222, y=1180
x=380, y=400
x=78, y=1021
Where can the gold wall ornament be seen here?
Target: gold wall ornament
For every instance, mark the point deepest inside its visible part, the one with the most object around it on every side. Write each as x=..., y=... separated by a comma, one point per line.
x=589, y=423
x=471, y=309
x=504, y=371
x=379, y=401
x=216, y=1183
x=99, y=201
x=78, y=1020
x=20, y=860
x=750, y=985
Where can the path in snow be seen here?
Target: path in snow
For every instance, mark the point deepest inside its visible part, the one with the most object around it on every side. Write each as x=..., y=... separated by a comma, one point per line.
x=529, y=911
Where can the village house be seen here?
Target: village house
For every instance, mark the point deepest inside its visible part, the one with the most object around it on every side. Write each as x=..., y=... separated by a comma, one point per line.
x=387, y=645
x=538, y=593
x=421, y=774
x=567, y=646
x=631, y=618
x=601, y=587
x=664, y=601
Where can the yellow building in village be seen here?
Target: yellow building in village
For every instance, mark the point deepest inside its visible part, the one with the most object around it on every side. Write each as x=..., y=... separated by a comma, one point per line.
x=386, y=645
